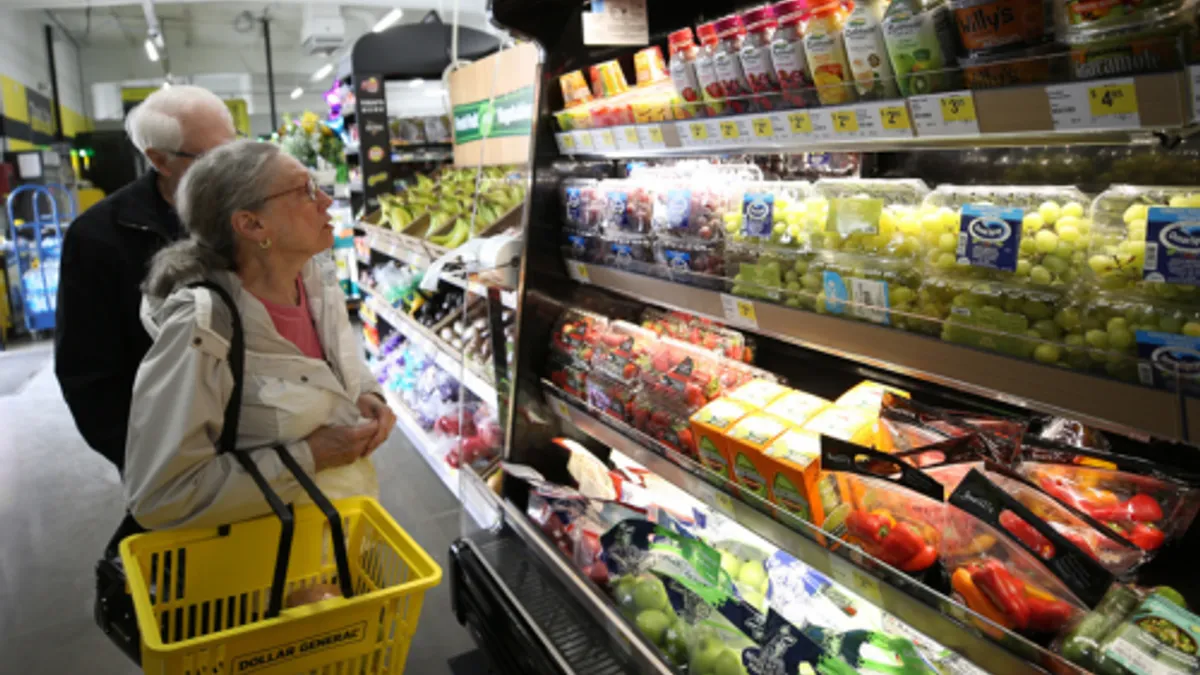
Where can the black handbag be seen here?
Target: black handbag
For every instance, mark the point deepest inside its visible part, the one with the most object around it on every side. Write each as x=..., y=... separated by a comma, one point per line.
x=114, y=609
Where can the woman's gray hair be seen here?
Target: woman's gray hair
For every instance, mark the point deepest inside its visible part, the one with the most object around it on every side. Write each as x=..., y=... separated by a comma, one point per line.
x=231, y=178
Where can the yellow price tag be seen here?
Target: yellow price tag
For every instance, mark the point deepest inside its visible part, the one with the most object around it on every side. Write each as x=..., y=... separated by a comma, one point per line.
x=1113, y=99
x=656, y=134
x=894, y=117
x=745, y=310
x=699, y=130
x=729, y=130
x=844, y=121
x=763, y=127
x=585, y=140
x=957, y=108
x=568, y=141
x=800, y=123
x=579, y=272
x=607, y=138
x=560, y=407
x=631, y=135
x=722, y=502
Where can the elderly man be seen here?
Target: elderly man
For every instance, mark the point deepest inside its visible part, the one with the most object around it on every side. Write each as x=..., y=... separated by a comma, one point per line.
x=100, y=339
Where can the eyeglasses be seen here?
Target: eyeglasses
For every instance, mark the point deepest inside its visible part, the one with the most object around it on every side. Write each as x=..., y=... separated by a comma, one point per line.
x=186, y=155
x=310, y=187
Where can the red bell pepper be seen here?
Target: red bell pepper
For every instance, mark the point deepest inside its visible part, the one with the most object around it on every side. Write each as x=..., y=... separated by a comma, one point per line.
x=1080, y=542
x=1137, y=509
x=1003, y=589
x=1061, y=491
x=901, y=544
x=1047, y=616
x=870, y=527
x=1146, y=536
x=922, y=560
x=1027, y=534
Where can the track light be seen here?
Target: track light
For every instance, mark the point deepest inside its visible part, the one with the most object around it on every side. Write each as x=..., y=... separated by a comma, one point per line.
x=322, y=72
x=387, y=20
x=297, y=92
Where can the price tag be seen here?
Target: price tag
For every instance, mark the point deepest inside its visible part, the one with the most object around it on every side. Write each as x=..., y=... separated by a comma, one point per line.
x=651, y=137
x=857, y=581
x=578, y=271
x=763, y=127
x=895, y=118
x=800, y=123
x=566, y=142
x=560, y=407
x=1111, y=104
x=739, y=311
x=584, y=140
x=722, y=502
x=627, y=138
x=604, y=139
x=698, y=131
x=844, y=121
x=951, y=114
x=729, y=130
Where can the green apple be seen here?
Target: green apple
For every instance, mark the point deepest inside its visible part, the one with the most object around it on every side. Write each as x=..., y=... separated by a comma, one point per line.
x=753, y=597
x=649, y=593
x=704, y=653
x=623, y=591
x=653, y=624
x=729, y=663
x=731, y=564
x=753, y=575
x=675, y=642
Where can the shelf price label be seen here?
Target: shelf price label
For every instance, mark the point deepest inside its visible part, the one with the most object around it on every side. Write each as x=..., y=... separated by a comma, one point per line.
x=604, y=139
x=583, y=139
x=763, y=127
x=854, y=578
x=627, y=138
x=566, y=142
x=949, y=114
x=698, y=131
x=578, y=271
x=739, y=311
x=729, y=130
x=800, y=123
x=560, y=407
x=1111, y=104
x=895, y=117
x=844, y=121
x=650, y=136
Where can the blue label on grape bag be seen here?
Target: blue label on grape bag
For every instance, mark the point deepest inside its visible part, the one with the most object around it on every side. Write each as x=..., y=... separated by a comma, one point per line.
x=836, y=293
x=757, y=212
x=679, y=208
x=678, y=260
x=617, y=214
x=622, y=254
x=578, y=243
x=1169, y=360
x=574, y=205
x=989, y=236
x=1173, y=246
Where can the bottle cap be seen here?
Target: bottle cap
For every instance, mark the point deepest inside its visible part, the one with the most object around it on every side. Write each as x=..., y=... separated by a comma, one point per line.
x=682, y=37
x=729, y=26
x=790, y=11
x=760, y=17
x=707, y=32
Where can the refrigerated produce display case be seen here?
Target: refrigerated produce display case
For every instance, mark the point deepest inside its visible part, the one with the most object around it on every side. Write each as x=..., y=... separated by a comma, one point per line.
x=832, y=378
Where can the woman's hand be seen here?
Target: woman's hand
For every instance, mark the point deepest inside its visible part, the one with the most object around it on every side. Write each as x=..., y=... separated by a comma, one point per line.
x=373, y=408
x=338, y=446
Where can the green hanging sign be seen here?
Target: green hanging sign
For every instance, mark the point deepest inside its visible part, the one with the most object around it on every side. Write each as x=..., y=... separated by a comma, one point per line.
x=509, y=114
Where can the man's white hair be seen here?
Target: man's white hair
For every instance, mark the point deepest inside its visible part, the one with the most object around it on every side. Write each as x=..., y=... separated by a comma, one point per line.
x=155, y=122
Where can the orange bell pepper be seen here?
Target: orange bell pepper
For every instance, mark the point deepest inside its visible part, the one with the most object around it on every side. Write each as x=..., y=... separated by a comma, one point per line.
x=974, y=598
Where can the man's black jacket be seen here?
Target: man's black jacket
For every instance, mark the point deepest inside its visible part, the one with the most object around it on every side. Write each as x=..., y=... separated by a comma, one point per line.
x=99, y=340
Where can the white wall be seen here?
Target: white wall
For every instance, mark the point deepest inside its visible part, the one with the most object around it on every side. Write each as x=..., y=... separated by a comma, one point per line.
x=23, y=57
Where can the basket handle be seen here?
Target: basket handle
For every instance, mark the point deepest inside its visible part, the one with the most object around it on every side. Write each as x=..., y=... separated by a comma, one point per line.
x=288, y=523
x=331, y=514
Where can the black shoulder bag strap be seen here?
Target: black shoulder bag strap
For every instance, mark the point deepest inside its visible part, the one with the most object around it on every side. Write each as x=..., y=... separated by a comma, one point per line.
x=114, y=611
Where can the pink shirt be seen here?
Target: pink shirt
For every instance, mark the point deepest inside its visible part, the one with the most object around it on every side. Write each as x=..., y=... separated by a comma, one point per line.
x=296, y=324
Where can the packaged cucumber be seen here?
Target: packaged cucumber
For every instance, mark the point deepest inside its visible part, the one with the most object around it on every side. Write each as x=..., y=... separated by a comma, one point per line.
x=1158, y=638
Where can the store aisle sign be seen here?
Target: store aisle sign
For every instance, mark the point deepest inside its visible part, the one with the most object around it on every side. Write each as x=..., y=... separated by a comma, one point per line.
x=508, y=115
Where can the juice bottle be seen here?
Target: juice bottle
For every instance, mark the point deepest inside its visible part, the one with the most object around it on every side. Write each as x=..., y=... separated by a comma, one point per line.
x=682, y=66
x=787, y=55
x=711, y=89
x=756, y=56
x=920, y=40
x=727, y=59
x=869, y=64
x=826, y=50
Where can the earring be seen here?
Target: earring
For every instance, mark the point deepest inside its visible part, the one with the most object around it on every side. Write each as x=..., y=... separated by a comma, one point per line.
x=264, y=244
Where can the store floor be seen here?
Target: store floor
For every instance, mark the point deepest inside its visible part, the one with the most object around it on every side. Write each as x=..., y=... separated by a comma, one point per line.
x=59, y=502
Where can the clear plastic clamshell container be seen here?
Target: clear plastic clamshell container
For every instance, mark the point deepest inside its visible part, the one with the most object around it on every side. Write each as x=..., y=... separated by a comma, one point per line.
x=1122, y=335
x=777, y=213
x=583, y=204
x=769, y=272
x=582, y=245
x=628, y=205
x=1130, y=249
x=692, y=262
x=866, y=287
x=628, y=251
x=1037, y=235
x=879, y=216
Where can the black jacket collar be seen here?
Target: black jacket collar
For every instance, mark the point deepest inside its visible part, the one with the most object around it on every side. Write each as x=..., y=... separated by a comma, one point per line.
x=142, y=206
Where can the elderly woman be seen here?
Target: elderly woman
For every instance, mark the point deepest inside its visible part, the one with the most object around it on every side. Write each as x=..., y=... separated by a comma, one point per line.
x=256, y=220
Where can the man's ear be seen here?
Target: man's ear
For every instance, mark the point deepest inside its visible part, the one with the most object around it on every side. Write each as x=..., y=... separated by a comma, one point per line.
x=247, y=226
x=159, y=160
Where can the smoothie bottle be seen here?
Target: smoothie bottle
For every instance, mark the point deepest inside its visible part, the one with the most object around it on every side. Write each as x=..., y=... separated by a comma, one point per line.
x=787, y=54
x=727, y=57
x=756, y=57
x=921, y=43
x=682, y=66
x=826, y=50
x=711, y=89
x=868, y=56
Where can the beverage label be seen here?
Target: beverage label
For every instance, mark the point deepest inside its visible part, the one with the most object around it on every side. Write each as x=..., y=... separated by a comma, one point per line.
x=1173, y=246
x=760, y=71
x=989, y=236
x=683, y=76
x=867, y=54
x=791, y=65
x=679, y=208
x=826, y=52
x=731, y=75
x=758, y=214
x=617, y=214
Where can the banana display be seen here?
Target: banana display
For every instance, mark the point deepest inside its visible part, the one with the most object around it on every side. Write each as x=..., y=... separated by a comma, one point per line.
x=449, y=202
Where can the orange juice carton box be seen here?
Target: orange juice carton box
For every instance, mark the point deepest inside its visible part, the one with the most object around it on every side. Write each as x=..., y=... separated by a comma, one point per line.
x=759, y=393
x=745, y=443
x=795, y=482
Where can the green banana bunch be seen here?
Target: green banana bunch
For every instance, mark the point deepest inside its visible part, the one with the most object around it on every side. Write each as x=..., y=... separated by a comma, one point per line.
x=457, y=236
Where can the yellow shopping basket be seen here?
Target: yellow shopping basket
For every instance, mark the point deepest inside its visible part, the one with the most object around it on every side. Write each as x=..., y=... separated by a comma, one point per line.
x=208, y=600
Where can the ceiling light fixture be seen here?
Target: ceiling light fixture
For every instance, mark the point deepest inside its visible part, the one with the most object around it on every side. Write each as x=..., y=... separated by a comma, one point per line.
x=416, y=83
x=151, y=50
x=297, y=92
x=322, y=72
x=387, y=20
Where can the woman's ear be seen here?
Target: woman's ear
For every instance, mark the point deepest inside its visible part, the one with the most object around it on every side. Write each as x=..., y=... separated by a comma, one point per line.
x=246, y=225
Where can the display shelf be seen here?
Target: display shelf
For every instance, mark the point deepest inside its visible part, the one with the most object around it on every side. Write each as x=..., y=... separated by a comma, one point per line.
x=445, y=356
x=1109, y=404
x=936, y=615
x=1055, y=114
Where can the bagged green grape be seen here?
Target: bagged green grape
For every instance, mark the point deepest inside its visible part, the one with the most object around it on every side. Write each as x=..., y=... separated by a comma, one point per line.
x=1123, y=240
x=876, y=216
x=1038, y=235
x=774, y=212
